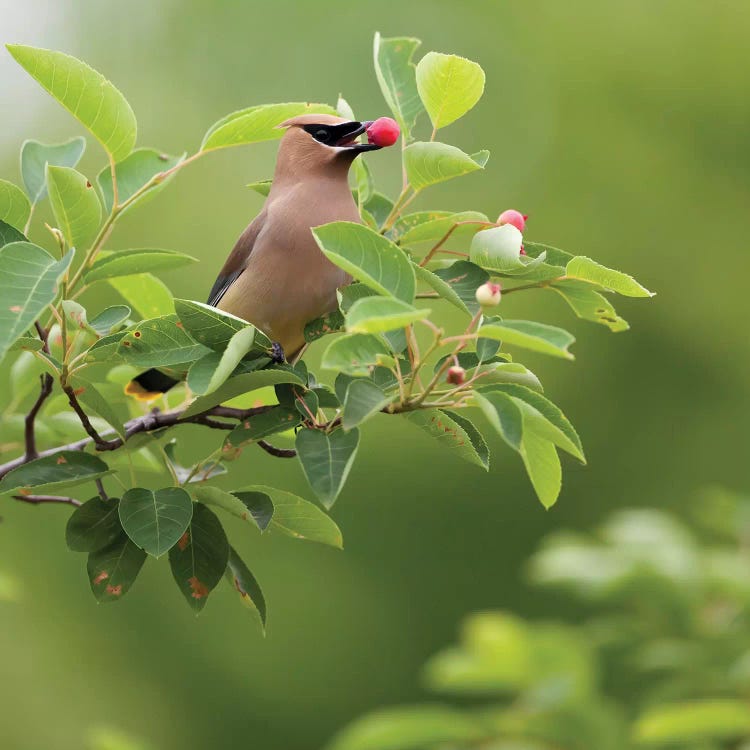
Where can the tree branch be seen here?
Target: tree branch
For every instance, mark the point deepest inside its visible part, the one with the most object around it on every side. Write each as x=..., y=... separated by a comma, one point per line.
x=39, y=499
x=30, y=420
x=278, y=452
x=100, y=443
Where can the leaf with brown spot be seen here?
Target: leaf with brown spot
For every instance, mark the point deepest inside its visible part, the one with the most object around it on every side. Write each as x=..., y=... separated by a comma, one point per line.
x=113, y=569
x=243, y=582
x=199, y=564
x=63, y=469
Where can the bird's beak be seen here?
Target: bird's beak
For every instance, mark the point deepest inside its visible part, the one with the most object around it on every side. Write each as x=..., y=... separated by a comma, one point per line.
x=348, y=133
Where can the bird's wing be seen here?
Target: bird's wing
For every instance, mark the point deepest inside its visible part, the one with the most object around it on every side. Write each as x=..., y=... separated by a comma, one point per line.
x=237, y=260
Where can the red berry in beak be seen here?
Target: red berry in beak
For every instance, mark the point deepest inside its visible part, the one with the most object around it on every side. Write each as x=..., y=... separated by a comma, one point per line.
x=456, y=375
x=511, y=216
x=383, y=132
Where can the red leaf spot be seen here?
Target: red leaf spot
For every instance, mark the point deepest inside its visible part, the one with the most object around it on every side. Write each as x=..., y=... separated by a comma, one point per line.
x=101, y=577
x=88, y=184
x=15, y=308
x=61, y=460
x=137, y=334
x=244, y=517
x=257, y=403
x=114, y=590
x=179, y=324
x=126, y=343
x=24, y=492
x=184, y=541
x=246, y=424
x=79, y=391
x=199, y=589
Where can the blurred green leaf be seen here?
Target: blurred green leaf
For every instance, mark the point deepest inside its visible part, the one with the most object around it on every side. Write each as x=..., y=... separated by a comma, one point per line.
x=159, y=342
x=86, y=94
x=503, y=414
x=449, y=86
x=256, y=124
x=396, y=74
x=428, y=163
x=93, y=525
x=527, y=334
x=380, y=314
x=141, y=260
x=9, y=234
x=369, y=257
x=133, y=173
x=212, y=370
x=451, y=431
x=112, y=570
x=588, y=304
x=28, y=283
x=363, y=400
x=326, y=459
x=200, y=557
x=542, y=465
x=109, y=319
x=75, y=204
x=14, y=205
x=511, y=372
x=145, y=294
x=586, y=269
x=262, y=187
x=155, y=519
x=355, y=353
x=34, y=159
x=244, y=583
x=410, y=728
x=63, y=469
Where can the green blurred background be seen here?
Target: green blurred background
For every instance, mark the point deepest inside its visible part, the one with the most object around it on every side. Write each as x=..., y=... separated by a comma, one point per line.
x=620, y=127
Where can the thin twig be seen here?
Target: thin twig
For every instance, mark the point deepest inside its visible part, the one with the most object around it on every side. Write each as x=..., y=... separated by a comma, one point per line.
x=39, y=499
x=30, y=420
x=100, y=443
x=278, y=452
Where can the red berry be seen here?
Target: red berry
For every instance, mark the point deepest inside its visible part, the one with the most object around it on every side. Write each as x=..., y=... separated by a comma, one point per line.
x=511, y=216
x=456, y=375
x=383, y=132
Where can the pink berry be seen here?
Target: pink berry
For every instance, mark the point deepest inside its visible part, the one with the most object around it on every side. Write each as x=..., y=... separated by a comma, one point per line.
x=511, y=216
x=383, y=132
x=488, y=295
x=456, y=375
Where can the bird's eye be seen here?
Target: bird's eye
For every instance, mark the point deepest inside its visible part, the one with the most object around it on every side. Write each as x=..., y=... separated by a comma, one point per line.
x=321, y=135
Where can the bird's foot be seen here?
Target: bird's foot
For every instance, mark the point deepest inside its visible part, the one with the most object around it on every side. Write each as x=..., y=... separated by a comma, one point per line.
x=277, y=353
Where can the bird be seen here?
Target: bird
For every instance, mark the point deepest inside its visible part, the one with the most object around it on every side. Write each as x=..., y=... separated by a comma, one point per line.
x=276, y=276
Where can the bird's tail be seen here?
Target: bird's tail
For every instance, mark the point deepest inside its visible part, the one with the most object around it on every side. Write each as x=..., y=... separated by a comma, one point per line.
x=149, y=385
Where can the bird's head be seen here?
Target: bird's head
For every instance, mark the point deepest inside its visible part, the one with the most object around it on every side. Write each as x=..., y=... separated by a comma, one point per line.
x=320, y=144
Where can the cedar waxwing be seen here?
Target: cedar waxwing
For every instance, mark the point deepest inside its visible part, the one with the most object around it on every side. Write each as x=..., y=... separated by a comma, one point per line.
x=276, y=277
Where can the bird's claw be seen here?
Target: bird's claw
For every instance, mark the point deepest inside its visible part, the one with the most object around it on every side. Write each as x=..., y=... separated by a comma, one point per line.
x=277, y=353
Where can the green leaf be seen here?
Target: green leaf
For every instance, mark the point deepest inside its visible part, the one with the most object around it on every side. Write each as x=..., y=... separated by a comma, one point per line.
x=241, y=384
x=244, y=583
x=93, y=525
x=407, y=222
x=588, y=304
x=363, y=400
x=200, y=558
x=451, y=434
x=511, y=372
x=475, y=437
x=212, y=327
x=503, y=414
x=537, y=337
x=499, y=250
x=449, y=86
x=379, y=206
x=368, y=257
x=326, y=459
x=14, y=205
x=62, y=469
x=209, y=372
x=464, y=278
x=106, y=348
x=129, y=262
x=428, y=163
x=355, y=353
x=146, y=294
x=26, y=344
x=28, y=283
x=271, y=422
x=548, y=419
x=330, y=323
x=692, y=721
x=156, y=519
x=75, y=204
x=191, y=474
x=113, y=569
x=585, y=269
x=262, y=187
x=435, y=228
x=90, y=397
x=159, y=342
x=110, y=318
x=133, y=173
x=34, y=159
x=542, y=465
x=256, y=124
x=10, y=234
x=443, y=288
x=410, y=728
x=378, y=314
x=291, y=516
x=363, y=181
x=396, y=75
x=86, y=94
